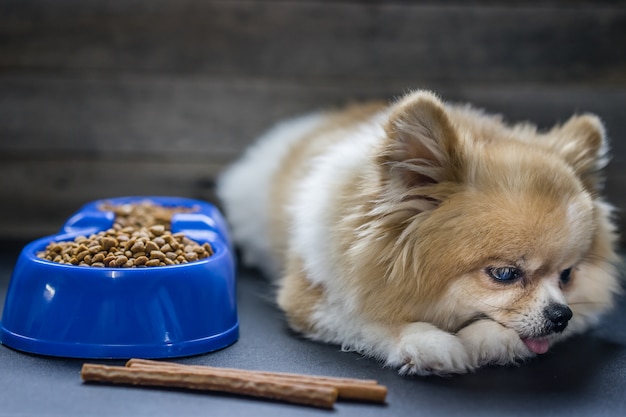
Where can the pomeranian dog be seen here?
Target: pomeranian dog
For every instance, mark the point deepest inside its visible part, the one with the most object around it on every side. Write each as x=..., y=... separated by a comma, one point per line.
x=431, y=236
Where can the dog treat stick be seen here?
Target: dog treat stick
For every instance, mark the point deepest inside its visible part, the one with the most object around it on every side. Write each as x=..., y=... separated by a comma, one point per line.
x=348, y=388
x=316, y=396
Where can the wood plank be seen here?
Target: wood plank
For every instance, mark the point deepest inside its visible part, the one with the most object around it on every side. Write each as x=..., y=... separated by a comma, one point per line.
x=488, y=42
x=217, y=117
x=151, y=115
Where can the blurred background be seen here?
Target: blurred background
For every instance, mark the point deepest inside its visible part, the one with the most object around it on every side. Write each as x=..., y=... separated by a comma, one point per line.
x=131, y=97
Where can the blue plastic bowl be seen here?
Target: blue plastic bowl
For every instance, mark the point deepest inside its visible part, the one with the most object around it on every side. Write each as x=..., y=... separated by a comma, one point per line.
x=157, y=312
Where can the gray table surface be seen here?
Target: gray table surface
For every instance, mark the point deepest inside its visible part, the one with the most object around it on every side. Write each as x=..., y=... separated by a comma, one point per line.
x=585, y=376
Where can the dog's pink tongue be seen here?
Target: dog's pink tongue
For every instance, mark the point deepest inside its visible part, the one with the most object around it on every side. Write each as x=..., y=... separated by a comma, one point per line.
x=538, y=346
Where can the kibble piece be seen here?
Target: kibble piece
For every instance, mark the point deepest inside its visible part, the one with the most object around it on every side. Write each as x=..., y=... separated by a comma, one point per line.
x=151, y=246
x=157, y=229
x=191, y=256
x=141, y=260
x=108, y=259
x=81, y=255
x=108, y=242
x=129, y=243
x=153, y=262
x=142, y=234
x=55, y=247
x=121, y=260
x=157, y=254
x=139, y=246
x=98, y=257
x=95, y=249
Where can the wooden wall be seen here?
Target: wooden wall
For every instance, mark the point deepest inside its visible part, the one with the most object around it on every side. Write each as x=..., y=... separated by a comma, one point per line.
x=124, y=97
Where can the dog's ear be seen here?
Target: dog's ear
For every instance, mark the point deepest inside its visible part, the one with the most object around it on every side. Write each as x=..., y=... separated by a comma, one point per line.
x=422, y=145
x=581, y=141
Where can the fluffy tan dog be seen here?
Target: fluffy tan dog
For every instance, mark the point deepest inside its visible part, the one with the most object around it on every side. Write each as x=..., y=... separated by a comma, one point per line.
x=431, y=236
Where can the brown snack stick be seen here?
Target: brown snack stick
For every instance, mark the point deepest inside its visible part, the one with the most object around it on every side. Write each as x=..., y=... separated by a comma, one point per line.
x=348, y=388
x=345, y=390
x=148, y=362
x=323, y=397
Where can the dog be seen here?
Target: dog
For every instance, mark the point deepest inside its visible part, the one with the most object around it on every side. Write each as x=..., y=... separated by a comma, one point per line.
x=431, y=236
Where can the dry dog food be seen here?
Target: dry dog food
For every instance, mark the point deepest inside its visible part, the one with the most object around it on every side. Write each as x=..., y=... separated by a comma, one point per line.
x=317, y=391
x=140, y=237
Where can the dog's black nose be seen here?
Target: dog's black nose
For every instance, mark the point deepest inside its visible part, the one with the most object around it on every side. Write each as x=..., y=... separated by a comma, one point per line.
x=558, y=316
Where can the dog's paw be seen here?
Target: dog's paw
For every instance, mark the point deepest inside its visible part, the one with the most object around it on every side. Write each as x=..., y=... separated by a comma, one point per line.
x=423, y=349
x=488, y=342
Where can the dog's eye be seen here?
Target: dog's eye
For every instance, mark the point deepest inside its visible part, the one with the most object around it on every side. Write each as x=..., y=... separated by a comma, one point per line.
x=505, y=273
x=566, y=276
